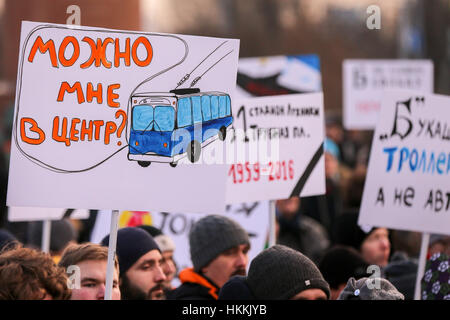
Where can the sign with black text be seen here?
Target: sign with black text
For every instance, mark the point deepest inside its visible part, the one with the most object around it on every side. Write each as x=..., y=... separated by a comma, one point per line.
x=278, y=149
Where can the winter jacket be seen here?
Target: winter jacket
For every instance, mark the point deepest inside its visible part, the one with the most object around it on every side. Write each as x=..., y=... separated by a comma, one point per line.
x=402, y=272
x=194, y=286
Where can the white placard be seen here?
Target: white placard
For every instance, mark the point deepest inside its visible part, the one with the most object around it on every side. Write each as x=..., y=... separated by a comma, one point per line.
x=94, y=108
x=35, y=214
x=365, y=80
x=408, y=181
x=279, y=151
x=253, y=217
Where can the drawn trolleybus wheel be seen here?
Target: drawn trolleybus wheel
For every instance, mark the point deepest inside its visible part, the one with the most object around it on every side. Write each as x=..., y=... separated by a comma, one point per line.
x=222, y=133
x=144, y=163
x=194, y=150
x=173, y=164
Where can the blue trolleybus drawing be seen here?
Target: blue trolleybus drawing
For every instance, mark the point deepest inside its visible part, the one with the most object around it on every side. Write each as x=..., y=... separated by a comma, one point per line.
x=166, y=127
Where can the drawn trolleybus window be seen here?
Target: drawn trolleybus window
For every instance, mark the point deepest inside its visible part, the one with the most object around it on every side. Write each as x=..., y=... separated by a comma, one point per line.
x=166, y=127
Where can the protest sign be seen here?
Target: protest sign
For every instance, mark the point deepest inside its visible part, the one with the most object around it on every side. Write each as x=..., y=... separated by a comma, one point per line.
x=407, y=184
x=270, y=76
x=95, y=107
x=278, y=75
x=34, y=214
x=365, y=80
x=279, y=148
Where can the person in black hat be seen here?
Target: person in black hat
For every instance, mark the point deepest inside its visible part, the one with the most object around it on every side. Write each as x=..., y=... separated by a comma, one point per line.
x=218, y=247
x=140, y=273
x=167, y=247
x=339, y=264
x=281, y=273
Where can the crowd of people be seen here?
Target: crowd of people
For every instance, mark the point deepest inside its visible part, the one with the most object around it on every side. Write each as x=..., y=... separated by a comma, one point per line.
x=321, y=251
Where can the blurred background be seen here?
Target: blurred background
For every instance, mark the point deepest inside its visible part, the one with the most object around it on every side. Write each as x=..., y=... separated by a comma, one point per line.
x=333, y=29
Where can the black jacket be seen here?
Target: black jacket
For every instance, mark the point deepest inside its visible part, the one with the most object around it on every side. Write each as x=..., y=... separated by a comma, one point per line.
x=194, y=287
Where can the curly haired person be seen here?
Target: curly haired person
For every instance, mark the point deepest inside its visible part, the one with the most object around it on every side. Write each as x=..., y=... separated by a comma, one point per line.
x=29, y=274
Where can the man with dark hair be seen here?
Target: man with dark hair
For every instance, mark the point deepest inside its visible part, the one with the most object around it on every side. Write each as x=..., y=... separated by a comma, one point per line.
x=141, y=276
x=167, y=247
x=91, y=259
x=219, y=248
x=29, y=274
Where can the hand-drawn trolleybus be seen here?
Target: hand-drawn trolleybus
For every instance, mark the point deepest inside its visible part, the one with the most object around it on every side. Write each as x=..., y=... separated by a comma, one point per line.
x=165, y=127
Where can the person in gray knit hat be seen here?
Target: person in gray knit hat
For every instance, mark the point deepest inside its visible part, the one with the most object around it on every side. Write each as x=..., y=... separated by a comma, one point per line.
x=281, y=273
x=370, y=289
x=218, y=247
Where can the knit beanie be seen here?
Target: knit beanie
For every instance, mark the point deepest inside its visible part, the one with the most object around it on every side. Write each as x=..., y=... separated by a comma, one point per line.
x=340, y=263
x=132, y=243
x=279, y=273
x=359, y=290
x=212, y=235
x=165, y=243
x=347, y=231
x=435, y=283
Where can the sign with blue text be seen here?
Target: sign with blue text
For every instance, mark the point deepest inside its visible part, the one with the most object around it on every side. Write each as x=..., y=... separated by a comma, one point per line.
x=408, y=181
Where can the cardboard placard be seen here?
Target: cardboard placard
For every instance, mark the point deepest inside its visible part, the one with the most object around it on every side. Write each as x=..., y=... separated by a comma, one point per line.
x=95, y=107
x=407, y=184
x=279, y=148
